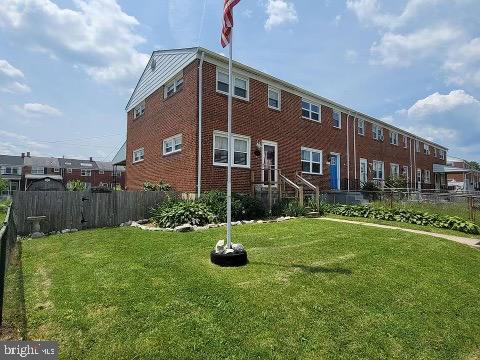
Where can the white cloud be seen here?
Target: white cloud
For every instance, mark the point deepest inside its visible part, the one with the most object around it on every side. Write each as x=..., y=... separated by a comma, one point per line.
x=97, y=35
x=369, y=12
x=449, y=119
x=280, y=12
x=401, y=50
x=37, y=110
x=463, y=64
x=438, y=103
x=8, y=74
x=14, y=144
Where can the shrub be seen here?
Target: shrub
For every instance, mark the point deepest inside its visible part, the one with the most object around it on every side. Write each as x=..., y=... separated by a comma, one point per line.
x=244, y=207
x=3, y=184
x=76, y=185
x=396, y=182
x=288, y=208
x=173, y=213
x=161, y=186
x=407, y=216
x=312, y=204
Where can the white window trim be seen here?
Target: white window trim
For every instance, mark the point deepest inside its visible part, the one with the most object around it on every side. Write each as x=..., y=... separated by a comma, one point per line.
x=405, y=142
x=361, y=127
x=417, y=146
x=429, y=177
x=69, y=170
x=139, y=105
x=279, y=92
x=426, y=149
x=101, y=172
x=378, y=128
x=235, y=76
x=392, y=165
x=374, y=169
x=174, y=82
x=133, y=158
x=234, y=136
x=340, y=123
x=35, y=171
x=165, y=153
x=310, y=111
x=393, y=135
x=321, y=160
x=84, y=172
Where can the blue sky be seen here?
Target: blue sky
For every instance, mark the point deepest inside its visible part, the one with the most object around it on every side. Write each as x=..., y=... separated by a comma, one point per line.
x=67, y=67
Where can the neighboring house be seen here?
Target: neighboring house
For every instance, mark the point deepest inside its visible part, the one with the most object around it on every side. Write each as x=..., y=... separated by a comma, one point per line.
x=11, y=170
x=177, y=123
x=25, y=170
x=461, y=177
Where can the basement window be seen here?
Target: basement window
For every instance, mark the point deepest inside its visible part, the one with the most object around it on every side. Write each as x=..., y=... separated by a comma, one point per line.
x=172, y=145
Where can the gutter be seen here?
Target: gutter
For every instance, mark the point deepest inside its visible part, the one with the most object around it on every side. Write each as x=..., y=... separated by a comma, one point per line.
x=200, y=108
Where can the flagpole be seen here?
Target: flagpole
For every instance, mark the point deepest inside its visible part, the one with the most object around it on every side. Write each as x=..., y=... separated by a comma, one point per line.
x=230, y=145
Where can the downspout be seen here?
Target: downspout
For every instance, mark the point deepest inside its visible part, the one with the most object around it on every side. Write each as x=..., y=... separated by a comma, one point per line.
x=348, y=152
x=355, y=148
x=415, y=162
x=200, y=102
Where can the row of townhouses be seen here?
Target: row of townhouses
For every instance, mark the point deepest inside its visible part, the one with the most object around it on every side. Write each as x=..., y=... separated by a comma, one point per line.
x=28, y=172
x=461, y=176
x=176, y=132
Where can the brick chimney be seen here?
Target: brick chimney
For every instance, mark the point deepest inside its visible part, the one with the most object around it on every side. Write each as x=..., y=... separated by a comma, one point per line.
x=23, y=155
x=91, y=159
x=28, y=153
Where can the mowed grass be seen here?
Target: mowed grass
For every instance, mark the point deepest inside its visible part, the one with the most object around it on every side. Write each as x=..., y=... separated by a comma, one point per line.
x=312, y=290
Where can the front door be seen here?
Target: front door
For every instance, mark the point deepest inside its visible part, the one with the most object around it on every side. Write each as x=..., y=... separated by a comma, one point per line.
x=269, y=162
x=363, y=171
x=334, y=172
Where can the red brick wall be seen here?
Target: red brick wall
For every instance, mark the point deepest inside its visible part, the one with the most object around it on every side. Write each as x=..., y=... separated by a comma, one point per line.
x=164, y=118
x=95, y=179
x=291, y=132
x=167, y=117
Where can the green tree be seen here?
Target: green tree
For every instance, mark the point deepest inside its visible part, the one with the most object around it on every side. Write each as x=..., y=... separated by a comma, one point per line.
x=3, y=184
x=474, y=165
x=76, y=185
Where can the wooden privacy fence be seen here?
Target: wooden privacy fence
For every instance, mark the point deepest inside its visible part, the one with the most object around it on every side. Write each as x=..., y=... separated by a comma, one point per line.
x=82, y=210
x=8, y=237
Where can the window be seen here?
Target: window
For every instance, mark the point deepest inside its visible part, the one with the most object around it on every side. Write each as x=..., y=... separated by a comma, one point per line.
x=442, y=154
x=405, y=172
x=417, y=146
x=101, y=172
x=38, y=170
x=393, y=138
x=139, y=110
x=138, y=155
x=427, y=176
x=172, y=144
x=240, y=89
x=56, y=170
x=435, y=152
x=173, y=87
x=361, y=127
x=86, y=172
x=394, y=171
x=311, y=161
x=274, y=100
x=10, y=170
x=378, y=170
x=337, y=119
x=310, y=111
x=419, y=175
x=69, y=171
x=426, y=149
x=241, y=150
x=377, y=132
x=405, y=141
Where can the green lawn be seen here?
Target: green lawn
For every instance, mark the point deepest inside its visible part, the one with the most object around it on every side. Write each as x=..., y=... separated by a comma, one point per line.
x=312, y=290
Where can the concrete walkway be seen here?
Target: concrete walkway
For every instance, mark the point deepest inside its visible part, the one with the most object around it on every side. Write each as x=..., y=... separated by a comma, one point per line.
x=461, y=240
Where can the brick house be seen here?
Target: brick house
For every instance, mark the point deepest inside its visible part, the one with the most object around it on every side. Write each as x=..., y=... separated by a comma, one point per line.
x=176, y=132
x=460, y=175
x=22, y=171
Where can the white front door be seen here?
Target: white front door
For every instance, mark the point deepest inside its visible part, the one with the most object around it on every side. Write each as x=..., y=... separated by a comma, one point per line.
x=269, y=161
x=363, y=171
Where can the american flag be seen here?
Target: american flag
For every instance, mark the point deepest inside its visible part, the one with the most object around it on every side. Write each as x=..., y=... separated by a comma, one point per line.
x=227, y=21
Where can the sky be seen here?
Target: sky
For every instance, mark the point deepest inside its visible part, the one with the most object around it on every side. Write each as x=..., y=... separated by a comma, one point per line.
x=68, y=67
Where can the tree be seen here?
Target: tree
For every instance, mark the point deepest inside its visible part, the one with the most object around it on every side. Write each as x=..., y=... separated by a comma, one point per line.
x=3, y=184
x=76, y=185
x=474, y=165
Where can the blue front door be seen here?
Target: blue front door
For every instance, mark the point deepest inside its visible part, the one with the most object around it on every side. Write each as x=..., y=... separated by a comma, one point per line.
x=334, y=172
